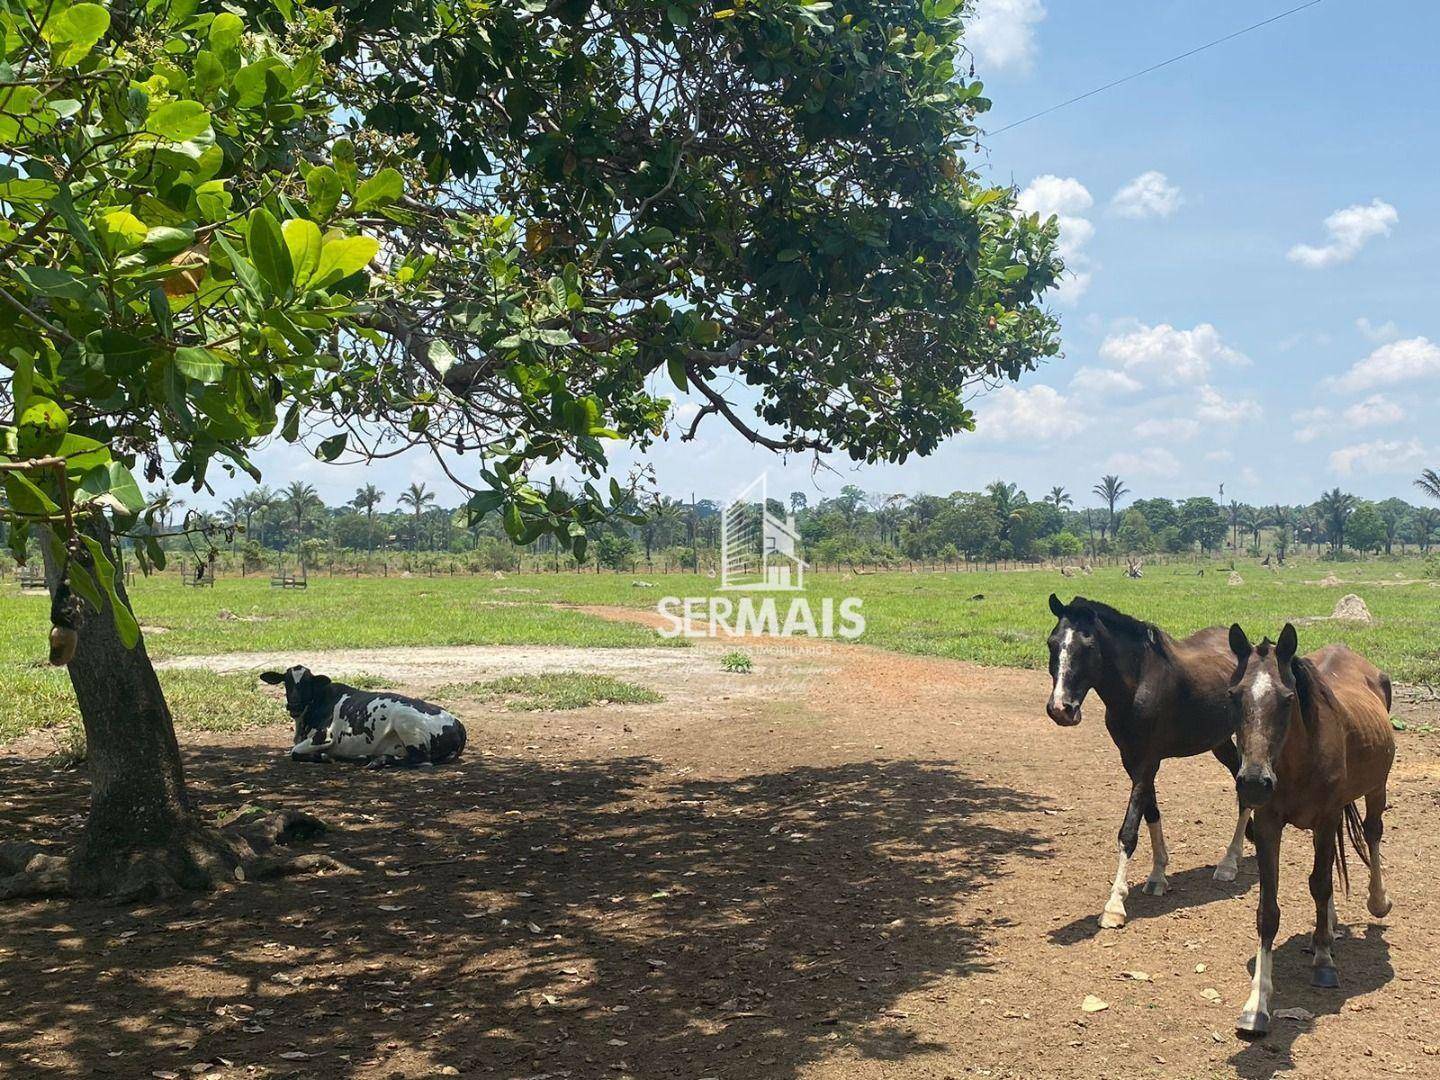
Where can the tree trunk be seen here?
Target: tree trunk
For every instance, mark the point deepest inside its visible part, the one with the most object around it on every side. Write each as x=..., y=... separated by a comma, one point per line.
x=142, y=835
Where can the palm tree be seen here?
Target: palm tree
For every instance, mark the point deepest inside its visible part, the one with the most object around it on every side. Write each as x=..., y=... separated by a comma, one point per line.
x=260, y=500
x=1251, y=520
x=1280, y=518
x=367, y=497
x=1335, y=508
x=1112, y=489
x=301, y=500
x=1429, y=483
x=1059, y=498
x=236, y=510
x=418, y=499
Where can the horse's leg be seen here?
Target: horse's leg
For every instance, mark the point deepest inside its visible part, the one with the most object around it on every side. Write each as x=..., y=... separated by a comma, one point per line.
x=1155, y=884
x=1322, y=889
x=1141, y=789
x=1379, y=902
x=1255, y=1018
x=1229, y=864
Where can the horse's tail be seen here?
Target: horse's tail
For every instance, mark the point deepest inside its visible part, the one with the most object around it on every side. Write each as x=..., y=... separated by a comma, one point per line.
x=1356, y=829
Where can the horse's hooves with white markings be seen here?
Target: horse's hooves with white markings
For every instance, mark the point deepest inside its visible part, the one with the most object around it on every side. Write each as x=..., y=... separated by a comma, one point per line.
x=1327, y=978
x=1253, y=1025
x=1154, y=887
x=1226, y=872
x=1112, y=920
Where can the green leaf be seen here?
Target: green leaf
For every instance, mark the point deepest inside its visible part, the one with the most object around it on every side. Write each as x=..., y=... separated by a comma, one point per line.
x=343, y=153
x=121, y=231
x=323, y=186
x=268, y=251
x=179, y=121
x=203, y=365
x=84, y=584
x=333, y=447
x=304, y=242
x=442, y=357
x=244, y=269
x=342, y=257
x=384, y=187
x=125, y=624
x=114, y=479
x=42, y=425
x=209, y=74
x=225, y=32
x=75, y=31
x=120, y=353
x=676, y=366
x=155, y=551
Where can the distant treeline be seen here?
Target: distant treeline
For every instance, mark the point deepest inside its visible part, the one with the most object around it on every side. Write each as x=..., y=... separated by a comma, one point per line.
x=857, y=527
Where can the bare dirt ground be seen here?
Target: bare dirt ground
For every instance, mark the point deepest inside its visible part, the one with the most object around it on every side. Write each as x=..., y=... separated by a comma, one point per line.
x=847, y=864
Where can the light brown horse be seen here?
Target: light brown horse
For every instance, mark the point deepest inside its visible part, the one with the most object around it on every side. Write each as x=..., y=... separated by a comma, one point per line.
x=1314, y=735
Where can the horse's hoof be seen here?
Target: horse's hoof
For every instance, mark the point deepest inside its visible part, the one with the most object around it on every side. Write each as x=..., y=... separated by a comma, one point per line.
x=1155, y=888
x=1112, y=920
x=1327, y=978
x=1226, y=872
x=1381, y=909
x=1253, y=1025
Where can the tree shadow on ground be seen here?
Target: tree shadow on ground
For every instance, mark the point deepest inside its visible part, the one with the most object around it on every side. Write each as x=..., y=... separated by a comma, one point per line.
x=1188, y=889
x=578, y=918
x=1362, y=956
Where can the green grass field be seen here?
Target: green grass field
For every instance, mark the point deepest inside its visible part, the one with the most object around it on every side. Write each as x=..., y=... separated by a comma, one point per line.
x=921, y=613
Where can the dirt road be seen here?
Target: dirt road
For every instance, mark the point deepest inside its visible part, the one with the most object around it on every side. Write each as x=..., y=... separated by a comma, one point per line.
x=847, y=864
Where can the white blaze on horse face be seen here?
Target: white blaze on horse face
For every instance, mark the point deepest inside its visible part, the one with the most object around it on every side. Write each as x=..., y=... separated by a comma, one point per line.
x=1261, y=689
x=1260, y=988
x=1057, y=695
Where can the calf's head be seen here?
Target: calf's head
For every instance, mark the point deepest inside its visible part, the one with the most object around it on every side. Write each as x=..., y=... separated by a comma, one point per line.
x=1263, y=699
x=1075, y=660
x=303, y=689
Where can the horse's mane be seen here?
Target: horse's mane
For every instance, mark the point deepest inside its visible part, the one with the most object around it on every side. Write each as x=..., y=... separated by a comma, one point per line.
x=1312, y=688
x=1139, y=632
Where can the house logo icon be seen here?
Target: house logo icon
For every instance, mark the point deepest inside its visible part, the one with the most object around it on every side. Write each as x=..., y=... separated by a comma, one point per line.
x=758, y=548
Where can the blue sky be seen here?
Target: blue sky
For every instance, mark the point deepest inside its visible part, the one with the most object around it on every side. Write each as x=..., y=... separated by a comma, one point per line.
x=1252, y=233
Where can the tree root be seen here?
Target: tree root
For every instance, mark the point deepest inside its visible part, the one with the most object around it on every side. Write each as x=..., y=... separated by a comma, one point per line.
x=196, y=858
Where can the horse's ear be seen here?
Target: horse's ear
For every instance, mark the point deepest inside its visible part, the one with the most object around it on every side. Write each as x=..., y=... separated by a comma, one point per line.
x=1056, y=606
x=1286, y=647
x=274, y=678
x=1239, y=643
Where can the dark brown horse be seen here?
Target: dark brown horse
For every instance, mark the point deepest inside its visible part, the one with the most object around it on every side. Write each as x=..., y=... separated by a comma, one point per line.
x=1164, y=698
x=1314, y=736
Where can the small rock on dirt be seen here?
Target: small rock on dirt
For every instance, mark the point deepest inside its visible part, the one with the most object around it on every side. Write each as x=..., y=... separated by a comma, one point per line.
x=1093, y=1004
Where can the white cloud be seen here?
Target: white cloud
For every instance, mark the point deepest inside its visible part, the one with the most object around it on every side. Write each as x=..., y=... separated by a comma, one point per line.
x=1215, y=408
x=1378, y=457
x=1149, y=195
x=1220, y=456
x=1397, y=362
x=1350, y=230
x=1374, y=410
x=1067, y=199
x=1175, y=356
x=1157, y=462
x=1036, y=414
x=1386, y=331
x=1102, y=382
x=1180, y=428
x=1313, y=423
x=1001, y=33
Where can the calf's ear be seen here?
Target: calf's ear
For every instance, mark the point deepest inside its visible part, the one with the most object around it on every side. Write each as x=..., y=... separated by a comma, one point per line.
x=1056, y=607
x=1287, y=645
x=274, y=678
x=1239, y=643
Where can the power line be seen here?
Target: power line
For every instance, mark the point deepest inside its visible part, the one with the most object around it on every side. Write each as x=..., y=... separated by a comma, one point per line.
x=1155, y=67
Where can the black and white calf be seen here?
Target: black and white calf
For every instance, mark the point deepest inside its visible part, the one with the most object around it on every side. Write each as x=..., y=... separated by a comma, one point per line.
x=333, y=720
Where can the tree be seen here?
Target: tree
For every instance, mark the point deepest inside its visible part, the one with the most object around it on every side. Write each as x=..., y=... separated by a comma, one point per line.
x=1334, y=509
x=418, y=499
x=1424, y=524
x=301, y=501
x=367, y=498
x=1395, y=513
x=1281, y=519
x=260, y=499
x=1365, y=529
x=1111, y=489
x=1429, y=483
x=1059, y=498
x=1134, y=536
x=539, y=209
x=1202, y=522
